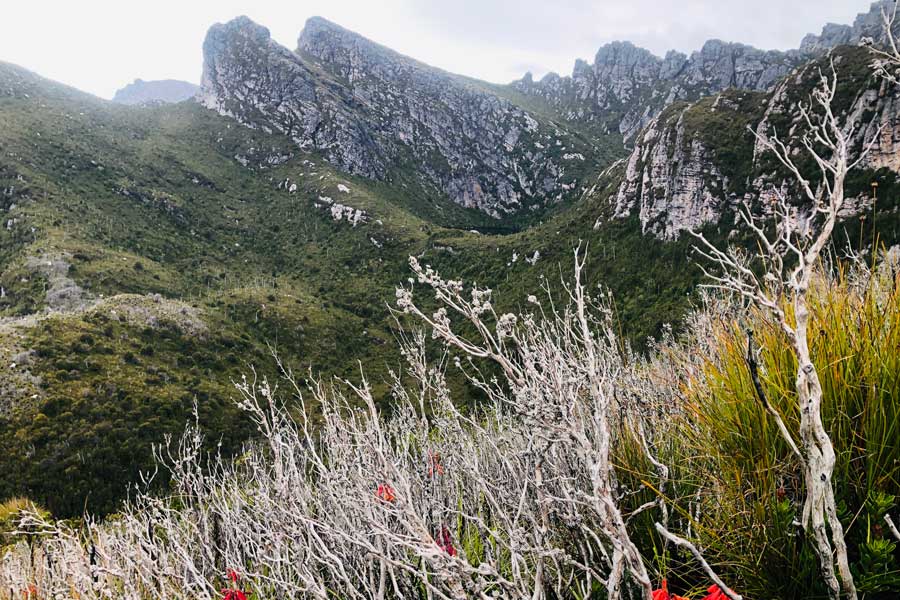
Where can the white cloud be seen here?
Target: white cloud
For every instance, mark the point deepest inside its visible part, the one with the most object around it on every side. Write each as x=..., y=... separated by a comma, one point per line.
x=100, y=45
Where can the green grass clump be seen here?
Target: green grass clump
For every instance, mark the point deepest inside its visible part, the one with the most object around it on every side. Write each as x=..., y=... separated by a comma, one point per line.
x=734, y=480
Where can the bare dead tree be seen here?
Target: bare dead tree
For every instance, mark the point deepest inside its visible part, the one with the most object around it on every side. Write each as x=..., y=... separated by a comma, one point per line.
x=777, y=278
x=561, y=374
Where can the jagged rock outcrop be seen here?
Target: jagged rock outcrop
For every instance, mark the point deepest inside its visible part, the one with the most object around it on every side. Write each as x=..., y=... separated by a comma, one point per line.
x=251, y=78
x=155, y=92
x=626, y=86
x=695, y=163
x=867, y=25
x=672, y=182
x=375, y=113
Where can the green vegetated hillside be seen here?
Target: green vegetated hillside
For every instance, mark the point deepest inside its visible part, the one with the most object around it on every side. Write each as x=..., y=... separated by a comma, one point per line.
x=170, y=269
x=150, y=256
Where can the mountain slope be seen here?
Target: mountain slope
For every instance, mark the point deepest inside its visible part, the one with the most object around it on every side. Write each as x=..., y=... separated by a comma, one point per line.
x=149, y=256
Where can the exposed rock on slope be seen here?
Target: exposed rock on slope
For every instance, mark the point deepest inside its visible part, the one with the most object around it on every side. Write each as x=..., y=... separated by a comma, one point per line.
x=695, y=162
x=155, y=92
x=374, y=113
x=671, y=181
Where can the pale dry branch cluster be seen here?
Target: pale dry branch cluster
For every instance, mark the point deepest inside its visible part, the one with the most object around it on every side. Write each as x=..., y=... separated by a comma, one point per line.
x=562, y=370
x=517, y=499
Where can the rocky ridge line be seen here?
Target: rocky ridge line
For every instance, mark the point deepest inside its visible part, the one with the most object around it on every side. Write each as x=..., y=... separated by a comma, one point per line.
x=375, y=113
x=627, y=86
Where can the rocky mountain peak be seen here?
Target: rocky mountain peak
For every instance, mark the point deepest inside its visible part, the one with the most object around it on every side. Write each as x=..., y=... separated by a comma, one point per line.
x=376, y=113
x=623, y=53
x=319, y=31
x=627, y=86
x=353, y=56
x=867, y=25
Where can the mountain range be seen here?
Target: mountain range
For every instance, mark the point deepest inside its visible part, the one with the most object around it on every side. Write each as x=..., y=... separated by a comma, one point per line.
x=151, y=254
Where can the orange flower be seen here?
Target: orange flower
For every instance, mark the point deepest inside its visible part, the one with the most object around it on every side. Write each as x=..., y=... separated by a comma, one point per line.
x=386, y=493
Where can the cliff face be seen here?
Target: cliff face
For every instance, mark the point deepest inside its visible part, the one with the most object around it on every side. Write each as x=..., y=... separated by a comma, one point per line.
x=374, y=112
x=249, y=77
x=695, y=163
x=671, y=181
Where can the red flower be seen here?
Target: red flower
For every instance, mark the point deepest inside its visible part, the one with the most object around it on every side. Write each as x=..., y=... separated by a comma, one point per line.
x=715, y=593
x=663, y=593
x=445, y=542
x=434, y=464
x=386, y=493
x=232, y=593
x=31, y=592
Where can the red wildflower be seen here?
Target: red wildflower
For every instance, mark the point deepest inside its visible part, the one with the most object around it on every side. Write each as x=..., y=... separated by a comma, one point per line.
x=435, y=467
x=715, y=593
x=445, y=542
x=386, y=493
x=663, y=593
x=232, y=593
x=31, y=592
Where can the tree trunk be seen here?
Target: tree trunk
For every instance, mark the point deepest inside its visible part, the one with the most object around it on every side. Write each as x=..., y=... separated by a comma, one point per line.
x=819, y=510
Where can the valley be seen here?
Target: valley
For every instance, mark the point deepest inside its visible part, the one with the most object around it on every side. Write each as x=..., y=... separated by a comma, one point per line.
x=153, y=255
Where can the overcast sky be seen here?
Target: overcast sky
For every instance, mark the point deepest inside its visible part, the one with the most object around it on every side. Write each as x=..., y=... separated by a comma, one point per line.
x=101, y=45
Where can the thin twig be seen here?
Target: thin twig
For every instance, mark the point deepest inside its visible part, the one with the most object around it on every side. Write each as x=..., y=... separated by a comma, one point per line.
x=680, y=541
x=757, y=385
